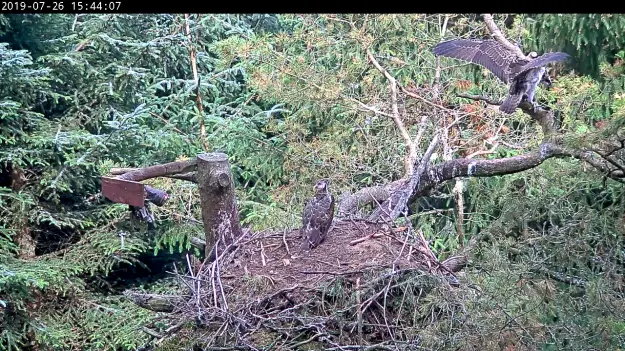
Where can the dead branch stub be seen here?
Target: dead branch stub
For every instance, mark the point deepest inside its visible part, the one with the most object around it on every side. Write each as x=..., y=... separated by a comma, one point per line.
x=211, y=171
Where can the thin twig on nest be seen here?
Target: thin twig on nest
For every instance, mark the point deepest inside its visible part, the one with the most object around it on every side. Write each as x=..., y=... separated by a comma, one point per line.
x=370, y=236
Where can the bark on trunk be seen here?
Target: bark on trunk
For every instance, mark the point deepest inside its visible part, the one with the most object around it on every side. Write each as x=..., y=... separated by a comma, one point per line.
x=25, y=241
x=163, y=170
x=24, y=238
x=219, y=210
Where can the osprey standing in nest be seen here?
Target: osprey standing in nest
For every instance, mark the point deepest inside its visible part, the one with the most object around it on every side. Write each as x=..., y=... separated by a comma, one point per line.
x=523, y=74
x=317, y=216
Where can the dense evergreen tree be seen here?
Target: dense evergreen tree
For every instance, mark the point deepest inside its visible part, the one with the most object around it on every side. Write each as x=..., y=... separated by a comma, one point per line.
x=283, y=96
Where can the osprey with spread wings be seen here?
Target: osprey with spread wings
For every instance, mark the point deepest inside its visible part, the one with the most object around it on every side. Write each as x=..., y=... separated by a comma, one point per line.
x=523, y=74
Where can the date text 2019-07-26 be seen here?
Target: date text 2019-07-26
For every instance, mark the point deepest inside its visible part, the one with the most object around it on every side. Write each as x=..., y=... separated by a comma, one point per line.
x=59, y=6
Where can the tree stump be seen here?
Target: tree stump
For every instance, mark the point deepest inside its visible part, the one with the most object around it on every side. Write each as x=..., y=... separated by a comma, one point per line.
x=219, y=210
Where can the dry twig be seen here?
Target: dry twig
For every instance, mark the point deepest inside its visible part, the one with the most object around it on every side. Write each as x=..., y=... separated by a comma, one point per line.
x=498, y=35
x=411, y=156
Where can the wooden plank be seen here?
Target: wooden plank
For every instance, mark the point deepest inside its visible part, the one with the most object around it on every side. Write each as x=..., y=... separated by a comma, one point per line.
x=123, y=191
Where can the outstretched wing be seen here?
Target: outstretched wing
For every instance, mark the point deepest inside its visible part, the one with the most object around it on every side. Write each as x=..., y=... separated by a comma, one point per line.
x=539, y=62
x=486, y=53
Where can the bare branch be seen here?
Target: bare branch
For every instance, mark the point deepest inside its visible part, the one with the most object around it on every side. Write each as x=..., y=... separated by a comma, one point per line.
x=598, y=163
x=161, y=170
x=424, y=120
x=392, y=207
x=349, y=203
x=498, y=35
x=610, y=147
x=370, y=108
x=480, y=98
x=192, y=55
x=486, y=168
x=560, y=277
x=457, y=190
x=544, y=118
x=612, y=161
x=466, y=167
x=437, y=72
x=426, y=158
x=483, y=152
x=190, y=176
x=419, y=97
x=412, y=149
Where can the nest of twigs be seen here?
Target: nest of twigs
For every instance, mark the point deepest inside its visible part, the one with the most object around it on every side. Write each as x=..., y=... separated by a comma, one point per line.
x=360, y=286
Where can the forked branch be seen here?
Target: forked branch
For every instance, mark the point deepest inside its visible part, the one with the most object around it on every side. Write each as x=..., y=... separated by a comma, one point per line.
x=420, y=184
x=411, y=156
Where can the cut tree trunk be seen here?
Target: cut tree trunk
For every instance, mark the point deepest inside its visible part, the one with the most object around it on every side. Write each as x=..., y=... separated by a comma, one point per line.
x=219, y=210
x=25, y=241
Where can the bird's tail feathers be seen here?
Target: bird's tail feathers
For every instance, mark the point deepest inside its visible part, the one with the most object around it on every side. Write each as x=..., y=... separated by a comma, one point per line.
x=511, y=103
x=312, y=239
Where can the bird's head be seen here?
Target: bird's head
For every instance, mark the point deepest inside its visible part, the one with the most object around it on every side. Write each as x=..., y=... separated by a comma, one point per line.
x=322, y=185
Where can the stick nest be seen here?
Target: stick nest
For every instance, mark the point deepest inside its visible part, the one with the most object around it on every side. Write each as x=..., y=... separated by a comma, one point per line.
x=351, y=289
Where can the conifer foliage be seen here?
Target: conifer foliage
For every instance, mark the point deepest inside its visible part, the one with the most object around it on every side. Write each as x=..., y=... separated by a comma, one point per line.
x=292, y=99
x=83, y=93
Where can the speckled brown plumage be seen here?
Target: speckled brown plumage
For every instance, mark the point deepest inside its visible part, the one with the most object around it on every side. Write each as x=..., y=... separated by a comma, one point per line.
x=523, y=74
x=317, y=216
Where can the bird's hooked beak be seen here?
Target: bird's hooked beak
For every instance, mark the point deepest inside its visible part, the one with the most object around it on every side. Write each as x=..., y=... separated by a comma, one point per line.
x=321, y=185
